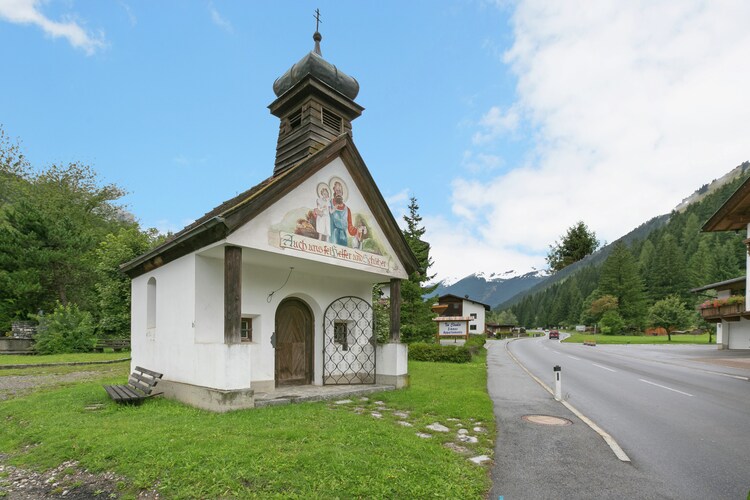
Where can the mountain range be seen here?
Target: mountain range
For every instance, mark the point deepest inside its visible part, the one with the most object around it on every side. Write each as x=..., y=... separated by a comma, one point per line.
x=492, y=289
x=503, y=290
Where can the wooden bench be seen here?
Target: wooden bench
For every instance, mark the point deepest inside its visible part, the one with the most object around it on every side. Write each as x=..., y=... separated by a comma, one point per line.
x=139, y=387
x=589, y=342
x=116, y=345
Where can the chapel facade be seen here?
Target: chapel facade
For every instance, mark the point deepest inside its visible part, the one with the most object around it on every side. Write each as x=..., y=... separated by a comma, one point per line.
x=274, y=287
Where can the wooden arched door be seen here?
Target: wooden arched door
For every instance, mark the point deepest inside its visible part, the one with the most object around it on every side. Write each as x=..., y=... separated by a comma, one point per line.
x=294, y=343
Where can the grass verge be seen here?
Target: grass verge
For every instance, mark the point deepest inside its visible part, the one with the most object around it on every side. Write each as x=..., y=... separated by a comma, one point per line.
x=579, y=338
x=310, y=450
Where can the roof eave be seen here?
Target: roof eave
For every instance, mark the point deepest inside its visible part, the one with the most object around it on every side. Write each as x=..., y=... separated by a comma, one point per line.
x=734, y=214
x=210, y=231
x=722, y=285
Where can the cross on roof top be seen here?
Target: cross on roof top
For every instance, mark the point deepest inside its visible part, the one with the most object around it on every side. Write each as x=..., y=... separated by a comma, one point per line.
x=317, y=19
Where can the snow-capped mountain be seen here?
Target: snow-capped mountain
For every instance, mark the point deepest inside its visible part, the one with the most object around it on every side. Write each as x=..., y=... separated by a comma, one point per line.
x=491, y=288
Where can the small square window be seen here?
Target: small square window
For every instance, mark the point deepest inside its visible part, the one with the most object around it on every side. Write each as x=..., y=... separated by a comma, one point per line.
x=472, y=327
x=340, y=334
x=473, y=315
x=246, y=330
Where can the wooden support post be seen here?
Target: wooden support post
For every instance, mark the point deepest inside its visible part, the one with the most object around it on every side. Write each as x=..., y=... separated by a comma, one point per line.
x=395, y=310
x=232, y=294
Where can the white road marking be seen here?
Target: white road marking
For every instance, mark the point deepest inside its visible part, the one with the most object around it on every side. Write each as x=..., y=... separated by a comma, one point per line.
x=730, y=376
x=573, y=357
x=604, y=368
x=665, y=387
x=616, y=449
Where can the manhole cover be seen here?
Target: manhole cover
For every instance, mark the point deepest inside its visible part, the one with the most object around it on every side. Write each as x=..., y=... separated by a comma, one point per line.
x=546, y=420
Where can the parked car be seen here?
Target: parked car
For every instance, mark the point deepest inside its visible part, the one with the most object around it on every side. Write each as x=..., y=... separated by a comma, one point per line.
x=554, y=334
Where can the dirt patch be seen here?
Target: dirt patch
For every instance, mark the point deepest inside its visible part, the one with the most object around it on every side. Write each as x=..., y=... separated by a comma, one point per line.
x=742, y=363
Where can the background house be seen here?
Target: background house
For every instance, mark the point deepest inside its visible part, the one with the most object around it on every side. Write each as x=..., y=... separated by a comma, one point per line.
x=466, y=307
x=733, y=319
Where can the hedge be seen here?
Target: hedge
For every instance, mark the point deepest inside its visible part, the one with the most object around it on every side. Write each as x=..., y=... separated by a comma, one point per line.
x=420, y=351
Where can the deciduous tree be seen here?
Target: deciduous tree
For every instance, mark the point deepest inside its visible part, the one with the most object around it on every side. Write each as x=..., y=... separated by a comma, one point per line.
x=669, y=313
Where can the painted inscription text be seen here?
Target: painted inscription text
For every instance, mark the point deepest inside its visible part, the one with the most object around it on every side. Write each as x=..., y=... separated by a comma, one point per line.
x=317, y=247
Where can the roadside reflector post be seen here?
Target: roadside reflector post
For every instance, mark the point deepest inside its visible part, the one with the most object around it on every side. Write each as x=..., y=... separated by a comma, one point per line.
x=558, y=383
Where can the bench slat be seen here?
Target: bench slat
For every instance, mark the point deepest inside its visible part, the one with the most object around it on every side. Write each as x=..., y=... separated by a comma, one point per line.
x=123, y=393
x=140, y=385
x=148, y=372
x=151, y=381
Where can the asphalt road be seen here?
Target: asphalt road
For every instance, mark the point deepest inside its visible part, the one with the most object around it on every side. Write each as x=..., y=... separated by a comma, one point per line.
x=682, y=418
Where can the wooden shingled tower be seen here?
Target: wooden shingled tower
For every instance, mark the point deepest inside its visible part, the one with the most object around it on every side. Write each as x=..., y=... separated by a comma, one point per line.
x=315, y=103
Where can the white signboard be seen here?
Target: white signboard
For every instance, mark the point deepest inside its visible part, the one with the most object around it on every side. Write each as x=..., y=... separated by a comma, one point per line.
x=450, y=328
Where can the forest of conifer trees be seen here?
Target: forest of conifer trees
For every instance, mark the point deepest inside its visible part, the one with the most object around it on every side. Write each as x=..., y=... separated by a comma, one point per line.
x=669, y=261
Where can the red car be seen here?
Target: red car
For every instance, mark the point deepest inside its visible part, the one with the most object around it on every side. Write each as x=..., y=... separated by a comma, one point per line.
x=554, y=334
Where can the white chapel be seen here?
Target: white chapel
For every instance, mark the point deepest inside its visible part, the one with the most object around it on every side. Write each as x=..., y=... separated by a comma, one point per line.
x=274, y=286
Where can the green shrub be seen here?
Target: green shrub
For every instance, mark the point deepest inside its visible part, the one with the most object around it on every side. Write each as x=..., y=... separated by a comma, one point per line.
x=435, y=352
x=475, y=343
x=381, y=315
x=612, y=323
x=66, y=329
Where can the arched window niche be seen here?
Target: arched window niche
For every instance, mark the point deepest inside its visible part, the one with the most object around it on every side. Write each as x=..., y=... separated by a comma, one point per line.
x=151, y=304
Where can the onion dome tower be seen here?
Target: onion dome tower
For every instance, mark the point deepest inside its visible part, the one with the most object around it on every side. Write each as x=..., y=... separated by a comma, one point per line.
x=315, y=103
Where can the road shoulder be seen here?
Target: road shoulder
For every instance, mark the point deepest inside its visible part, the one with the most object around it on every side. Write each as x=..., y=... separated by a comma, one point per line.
x=551, y=461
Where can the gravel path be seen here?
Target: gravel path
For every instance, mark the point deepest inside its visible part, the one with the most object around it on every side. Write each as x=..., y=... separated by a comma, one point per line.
x=68, y=480
x=18, y=385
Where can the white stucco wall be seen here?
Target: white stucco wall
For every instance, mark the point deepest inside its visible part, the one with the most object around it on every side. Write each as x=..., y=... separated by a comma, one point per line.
x=737, y=334
x=470, y=308
x=187, y=344
x=175, y=289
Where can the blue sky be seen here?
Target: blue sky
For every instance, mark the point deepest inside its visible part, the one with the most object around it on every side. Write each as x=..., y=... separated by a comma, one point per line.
x=508, y=121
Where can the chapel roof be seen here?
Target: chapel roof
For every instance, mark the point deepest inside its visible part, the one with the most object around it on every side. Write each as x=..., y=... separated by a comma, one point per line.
x=229, y=216
x=314, y=64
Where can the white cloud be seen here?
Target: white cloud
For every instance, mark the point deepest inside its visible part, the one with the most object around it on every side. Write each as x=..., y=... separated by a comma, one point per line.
x=458, y=251
x=632, y=106
x=129, y=12
x=219, y=20
x=398, y=203
x=496, y=123
x=187, y=161
x=28, y=12
x=481, y=162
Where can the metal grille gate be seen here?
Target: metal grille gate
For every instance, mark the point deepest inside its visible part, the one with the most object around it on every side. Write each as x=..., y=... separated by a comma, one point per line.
x=349, y=343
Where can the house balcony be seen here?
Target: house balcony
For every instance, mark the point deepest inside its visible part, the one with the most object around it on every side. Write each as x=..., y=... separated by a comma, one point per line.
x=727, y=312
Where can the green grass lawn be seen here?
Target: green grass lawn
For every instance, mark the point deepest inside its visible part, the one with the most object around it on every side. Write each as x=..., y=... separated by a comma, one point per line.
x=578, y=338
x=310, y=450
x=37, y=359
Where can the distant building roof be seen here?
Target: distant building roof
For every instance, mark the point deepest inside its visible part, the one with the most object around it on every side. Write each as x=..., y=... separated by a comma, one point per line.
x=733, y=284
x=450, y=295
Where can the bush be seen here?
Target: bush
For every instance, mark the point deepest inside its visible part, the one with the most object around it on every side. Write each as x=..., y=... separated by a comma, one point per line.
x=381, y=315
x=475, y=343
x=612, y=323
x=66, y=329
x=443, y=353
